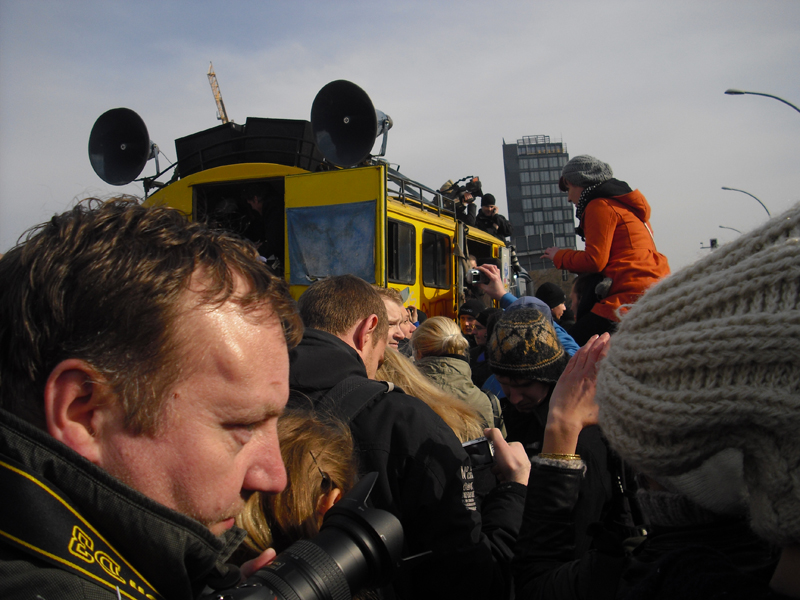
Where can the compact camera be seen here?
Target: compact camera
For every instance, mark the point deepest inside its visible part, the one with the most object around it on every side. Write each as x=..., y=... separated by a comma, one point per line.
x=481, y=451
x=475, y=276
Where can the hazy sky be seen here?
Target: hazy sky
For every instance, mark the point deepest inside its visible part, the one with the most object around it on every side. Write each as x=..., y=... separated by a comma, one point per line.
x=637, y=84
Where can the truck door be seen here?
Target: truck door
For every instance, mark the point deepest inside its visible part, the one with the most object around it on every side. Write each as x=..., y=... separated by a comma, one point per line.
x=335, y=225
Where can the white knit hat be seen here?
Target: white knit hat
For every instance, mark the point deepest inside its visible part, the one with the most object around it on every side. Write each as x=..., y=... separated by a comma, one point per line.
x=709, y=359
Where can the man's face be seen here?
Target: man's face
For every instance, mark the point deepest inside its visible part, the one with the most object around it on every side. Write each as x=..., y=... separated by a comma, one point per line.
x=558, y=310
x=397, y=314
x=467, y=324
x=407, y=326
x=489, y=210
x=373, y=355
x=524, y=394
x=218, y=439
x=479, y=331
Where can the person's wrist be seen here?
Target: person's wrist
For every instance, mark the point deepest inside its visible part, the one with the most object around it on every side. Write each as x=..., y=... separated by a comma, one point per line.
x=561, y=436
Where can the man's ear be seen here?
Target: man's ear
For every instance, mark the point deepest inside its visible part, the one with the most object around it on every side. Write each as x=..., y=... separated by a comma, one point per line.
x=364, y=332
x=78, y=404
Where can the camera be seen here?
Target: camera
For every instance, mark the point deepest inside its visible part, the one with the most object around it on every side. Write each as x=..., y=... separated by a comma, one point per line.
x=475, y=276
x=463, y=193
x=481, y=451
x=357, y=547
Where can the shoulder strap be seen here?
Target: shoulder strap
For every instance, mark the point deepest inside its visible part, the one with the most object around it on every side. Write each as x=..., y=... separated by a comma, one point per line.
x=349, y=397
x=37, y=518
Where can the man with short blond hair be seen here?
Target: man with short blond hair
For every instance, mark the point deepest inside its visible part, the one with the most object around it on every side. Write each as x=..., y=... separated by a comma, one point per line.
x=400, y=325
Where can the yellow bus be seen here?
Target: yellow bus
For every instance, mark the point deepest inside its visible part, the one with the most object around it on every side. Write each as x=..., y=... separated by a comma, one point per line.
x=268, y=181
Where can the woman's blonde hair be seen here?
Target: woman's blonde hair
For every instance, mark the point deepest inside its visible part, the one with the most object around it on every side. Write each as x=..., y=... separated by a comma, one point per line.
x=438, y=336
x=318, y=454
x=464, y=420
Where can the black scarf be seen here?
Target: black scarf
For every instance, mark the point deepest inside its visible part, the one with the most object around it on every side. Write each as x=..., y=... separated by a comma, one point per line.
x=607, y=189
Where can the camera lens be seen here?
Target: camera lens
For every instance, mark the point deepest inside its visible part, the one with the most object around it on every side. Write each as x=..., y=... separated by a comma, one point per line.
x=357, y=547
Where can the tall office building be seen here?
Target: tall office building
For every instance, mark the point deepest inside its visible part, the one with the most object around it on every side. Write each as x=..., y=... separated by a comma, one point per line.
x=540, y=212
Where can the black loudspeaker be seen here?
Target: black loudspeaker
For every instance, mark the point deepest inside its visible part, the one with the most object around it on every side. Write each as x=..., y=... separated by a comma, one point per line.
x=280, y=141
x=119, y=146
x=345, y=123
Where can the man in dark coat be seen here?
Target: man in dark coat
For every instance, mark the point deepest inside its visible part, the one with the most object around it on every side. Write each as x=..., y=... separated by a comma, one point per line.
x=490, y=221
x=425, y=476
x=143, y=366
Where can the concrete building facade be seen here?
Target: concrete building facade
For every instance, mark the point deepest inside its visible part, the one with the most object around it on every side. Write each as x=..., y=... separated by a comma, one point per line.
x=540, y=212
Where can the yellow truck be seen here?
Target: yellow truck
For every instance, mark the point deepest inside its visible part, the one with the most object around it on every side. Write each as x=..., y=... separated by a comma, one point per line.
x=269, y=181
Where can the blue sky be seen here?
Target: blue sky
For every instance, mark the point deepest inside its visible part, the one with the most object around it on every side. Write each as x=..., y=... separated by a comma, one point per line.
x=637, y=84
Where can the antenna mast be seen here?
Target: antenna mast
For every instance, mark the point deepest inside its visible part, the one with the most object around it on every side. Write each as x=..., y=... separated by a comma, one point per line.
x=212, y=79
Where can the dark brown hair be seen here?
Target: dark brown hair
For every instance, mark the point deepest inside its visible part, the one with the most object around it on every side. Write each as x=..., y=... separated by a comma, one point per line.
x=336, y=304
x=104, y=283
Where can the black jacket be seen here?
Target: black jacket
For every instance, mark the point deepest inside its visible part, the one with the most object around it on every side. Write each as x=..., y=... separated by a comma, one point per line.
x=425, y=479
x=595, y=501
x=613, y=569
x=484, y=223
x=170, y=551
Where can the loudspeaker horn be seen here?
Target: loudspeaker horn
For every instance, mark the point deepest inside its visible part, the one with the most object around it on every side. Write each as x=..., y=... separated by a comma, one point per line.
x=119, y=146
x=345, y=123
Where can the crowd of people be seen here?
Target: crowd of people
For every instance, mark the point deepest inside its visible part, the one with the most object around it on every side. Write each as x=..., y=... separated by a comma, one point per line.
x=169, y=411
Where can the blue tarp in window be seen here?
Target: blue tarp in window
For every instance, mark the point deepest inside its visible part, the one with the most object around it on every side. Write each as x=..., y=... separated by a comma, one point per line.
x=331, y=240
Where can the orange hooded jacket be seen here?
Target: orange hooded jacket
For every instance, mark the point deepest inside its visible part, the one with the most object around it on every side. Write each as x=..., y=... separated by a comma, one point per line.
x=620, y=245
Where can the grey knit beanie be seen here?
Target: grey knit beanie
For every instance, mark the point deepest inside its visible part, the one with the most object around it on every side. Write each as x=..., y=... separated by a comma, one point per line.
x=585, y=170
x=524, y=345
x=709, y=359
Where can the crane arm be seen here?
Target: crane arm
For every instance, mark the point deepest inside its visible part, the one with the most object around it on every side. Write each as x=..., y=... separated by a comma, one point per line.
x=212, y=79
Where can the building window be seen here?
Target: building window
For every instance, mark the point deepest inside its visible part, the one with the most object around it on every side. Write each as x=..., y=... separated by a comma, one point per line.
x=401, y=254
x=537, y=190
x=523, y=164
x=527, y=203
x=561, y=241
x=537, y=203
x=528, y=217
x=538, y=217
x=548, y=216
x=435, y=259
x=524, y=177
x=548, y=228
x=529, y=230
x=547, y=202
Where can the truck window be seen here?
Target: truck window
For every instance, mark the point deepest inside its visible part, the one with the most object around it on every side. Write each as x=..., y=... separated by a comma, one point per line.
x=252, y=209
x=435, y=259
x=401, y=253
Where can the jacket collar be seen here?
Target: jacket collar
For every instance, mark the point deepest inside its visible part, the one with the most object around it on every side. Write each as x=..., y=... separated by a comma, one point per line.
x=320, y=361
x=172, y=551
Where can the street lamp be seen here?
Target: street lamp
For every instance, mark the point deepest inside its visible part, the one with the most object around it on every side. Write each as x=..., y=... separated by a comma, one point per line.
x=731, y=228
x=733, y=92
x=749, y=194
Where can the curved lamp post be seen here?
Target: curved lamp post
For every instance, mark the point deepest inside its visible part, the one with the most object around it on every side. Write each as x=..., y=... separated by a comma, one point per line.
x=749, y=194
x=733, y=92
x=731, y=228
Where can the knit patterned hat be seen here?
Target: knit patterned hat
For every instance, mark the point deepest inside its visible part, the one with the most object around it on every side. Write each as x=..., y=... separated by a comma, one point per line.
x=586, y=170
x=709, y=359
x=524, y=346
